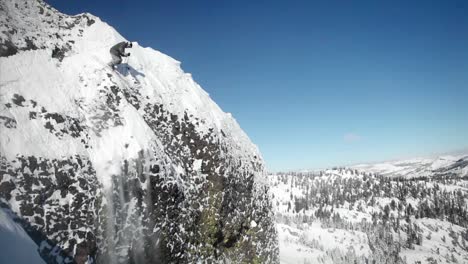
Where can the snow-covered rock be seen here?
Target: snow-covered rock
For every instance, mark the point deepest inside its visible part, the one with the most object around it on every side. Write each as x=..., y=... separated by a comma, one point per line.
x=136, y=165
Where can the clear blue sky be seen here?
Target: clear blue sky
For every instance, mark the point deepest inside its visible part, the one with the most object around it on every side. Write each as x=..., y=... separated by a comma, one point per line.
x=317, y=83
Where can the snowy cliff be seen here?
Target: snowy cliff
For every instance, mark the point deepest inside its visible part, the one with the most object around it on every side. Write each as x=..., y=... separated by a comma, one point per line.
x=136, y=165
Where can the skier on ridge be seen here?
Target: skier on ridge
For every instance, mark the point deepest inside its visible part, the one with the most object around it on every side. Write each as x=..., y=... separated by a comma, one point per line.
x=118, y=51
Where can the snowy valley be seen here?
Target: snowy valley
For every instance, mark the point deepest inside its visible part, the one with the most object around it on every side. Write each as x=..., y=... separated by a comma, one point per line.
x=374, y=213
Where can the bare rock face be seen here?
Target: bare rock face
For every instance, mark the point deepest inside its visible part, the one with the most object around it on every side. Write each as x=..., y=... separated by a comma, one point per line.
x=136, y=165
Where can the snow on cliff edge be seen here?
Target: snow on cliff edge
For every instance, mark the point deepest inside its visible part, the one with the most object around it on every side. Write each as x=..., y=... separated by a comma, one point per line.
x=69, y=87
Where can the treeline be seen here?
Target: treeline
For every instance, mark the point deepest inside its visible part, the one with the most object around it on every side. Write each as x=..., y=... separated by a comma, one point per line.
x=439, y=198
x=392, y=203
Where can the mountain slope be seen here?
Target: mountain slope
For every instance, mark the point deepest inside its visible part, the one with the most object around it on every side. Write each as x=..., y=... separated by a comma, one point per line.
x=133, y=165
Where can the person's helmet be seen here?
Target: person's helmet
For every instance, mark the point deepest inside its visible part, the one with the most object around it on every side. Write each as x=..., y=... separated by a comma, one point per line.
x=129, y=44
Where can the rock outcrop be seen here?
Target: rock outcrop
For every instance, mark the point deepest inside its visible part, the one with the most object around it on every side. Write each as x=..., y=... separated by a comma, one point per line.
x=136, y=165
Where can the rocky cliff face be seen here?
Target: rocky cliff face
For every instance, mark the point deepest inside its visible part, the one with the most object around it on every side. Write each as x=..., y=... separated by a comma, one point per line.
x=136, y=165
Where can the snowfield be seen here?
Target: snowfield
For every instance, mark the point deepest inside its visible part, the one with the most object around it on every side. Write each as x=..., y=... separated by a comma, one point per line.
x=310, y=243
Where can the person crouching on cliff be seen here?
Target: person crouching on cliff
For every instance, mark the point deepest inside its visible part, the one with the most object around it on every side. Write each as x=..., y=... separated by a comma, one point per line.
x=117, y=52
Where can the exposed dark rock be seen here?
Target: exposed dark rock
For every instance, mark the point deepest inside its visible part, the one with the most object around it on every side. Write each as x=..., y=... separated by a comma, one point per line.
x=32, y=115
x=7, y=48
x=29, y=44
x=90, y=22
x=18, y=100
x=8, y=122
x=60, y=52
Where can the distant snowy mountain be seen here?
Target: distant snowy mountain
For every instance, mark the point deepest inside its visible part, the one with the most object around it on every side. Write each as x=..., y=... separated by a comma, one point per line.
x=396, y=212
x=420, y=167
x=136, y=165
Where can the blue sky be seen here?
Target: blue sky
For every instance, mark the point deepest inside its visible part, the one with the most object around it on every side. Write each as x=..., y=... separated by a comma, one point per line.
x=317, y=83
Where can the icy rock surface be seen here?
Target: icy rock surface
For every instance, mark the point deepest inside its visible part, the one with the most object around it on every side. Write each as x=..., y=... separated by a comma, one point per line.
x=136, y=165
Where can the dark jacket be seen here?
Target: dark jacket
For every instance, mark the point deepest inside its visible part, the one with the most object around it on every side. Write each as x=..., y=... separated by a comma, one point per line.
x=119, y=48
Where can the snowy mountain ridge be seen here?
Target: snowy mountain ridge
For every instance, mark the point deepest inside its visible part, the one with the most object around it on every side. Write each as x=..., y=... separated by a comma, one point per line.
x=414, y=167
x=135, y=165
x=420, y=167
